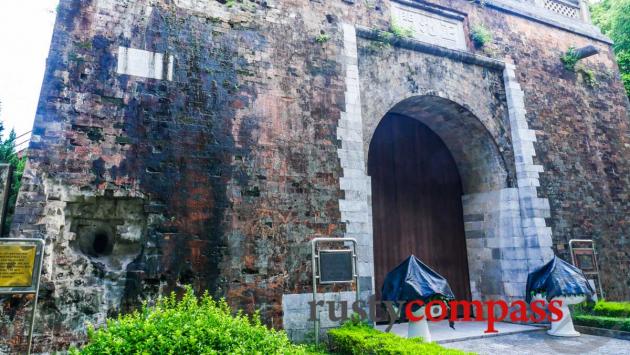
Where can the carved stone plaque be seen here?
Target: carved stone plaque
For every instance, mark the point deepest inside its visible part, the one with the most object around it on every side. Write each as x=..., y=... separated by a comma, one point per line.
x=430, y=27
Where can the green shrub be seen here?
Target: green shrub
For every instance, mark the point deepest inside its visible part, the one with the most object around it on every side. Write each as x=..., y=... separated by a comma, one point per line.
x=189, y=326
x=612, y=309
x=602, y=322
x=352, y=338
x=480, y=36
x=582, y=308
x=604, y=309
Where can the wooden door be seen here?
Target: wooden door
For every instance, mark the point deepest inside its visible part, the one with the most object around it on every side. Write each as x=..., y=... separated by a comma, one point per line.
x=416, y=202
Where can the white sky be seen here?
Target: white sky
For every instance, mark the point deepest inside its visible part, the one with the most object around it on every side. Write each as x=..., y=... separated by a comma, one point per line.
x=25, y=32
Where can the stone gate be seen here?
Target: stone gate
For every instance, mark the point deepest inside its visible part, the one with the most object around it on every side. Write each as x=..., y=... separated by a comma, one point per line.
x=207, y=142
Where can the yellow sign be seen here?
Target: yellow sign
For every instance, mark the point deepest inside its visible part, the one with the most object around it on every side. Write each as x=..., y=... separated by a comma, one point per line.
x=16, y=265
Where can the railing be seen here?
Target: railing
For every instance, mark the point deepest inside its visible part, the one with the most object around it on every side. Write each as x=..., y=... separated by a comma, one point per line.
x=563, y=8
x=576, y=9
x=21, y=143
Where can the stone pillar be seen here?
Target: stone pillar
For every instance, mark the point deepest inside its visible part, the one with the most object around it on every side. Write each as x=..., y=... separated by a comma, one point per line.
x=355, y=209
x=585, y=13
x=534, y=210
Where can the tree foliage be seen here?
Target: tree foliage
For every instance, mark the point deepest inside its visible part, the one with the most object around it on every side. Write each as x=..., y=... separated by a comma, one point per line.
x=9, y=156
x=613, y=17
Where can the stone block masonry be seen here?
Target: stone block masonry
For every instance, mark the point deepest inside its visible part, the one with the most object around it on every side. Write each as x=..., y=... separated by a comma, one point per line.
x=355, y=210
x=206, y=143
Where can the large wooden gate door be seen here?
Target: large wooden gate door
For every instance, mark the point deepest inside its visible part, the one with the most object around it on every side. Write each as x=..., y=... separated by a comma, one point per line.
x=416, y=202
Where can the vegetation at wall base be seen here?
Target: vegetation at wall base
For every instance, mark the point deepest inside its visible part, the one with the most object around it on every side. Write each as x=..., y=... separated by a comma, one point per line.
x=204, y=326
x=188, y=326
x=613, y=17
x=360, y=338
x=603, y=314
x=605, y=309
x=622, y=324
x=612, y=309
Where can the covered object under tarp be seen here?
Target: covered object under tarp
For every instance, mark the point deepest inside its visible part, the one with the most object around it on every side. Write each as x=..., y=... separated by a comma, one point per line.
x=413, y=280
x=558, y=278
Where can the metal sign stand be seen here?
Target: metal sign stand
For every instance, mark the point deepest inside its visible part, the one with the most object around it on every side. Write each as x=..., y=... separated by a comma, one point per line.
x=590, y=251
x=33, y=287
x=317, y=271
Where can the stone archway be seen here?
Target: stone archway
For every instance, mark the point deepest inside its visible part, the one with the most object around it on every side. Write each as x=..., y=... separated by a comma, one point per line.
x=455, y=155
x=416, y=202
x=478, y=157
x=476, y=106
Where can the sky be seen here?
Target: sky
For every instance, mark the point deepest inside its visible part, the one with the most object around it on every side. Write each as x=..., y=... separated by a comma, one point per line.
x=25, y=32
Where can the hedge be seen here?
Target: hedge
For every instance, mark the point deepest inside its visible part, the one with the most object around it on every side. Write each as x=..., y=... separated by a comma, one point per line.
x=602, y=322
x=612, y=309
x=189, y=326
x=352, y=338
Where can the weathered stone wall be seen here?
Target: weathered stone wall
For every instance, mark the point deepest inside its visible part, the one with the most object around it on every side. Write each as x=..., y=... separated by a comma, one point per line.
x=233, y=163
x=581, y=129
x=219, y=165
x=583, y=139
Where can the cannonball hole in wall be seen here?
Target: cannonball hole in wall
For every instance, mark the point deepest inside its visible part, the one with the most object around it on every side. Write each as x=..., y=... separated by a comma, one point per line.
x=101, y=243
x=96, y=241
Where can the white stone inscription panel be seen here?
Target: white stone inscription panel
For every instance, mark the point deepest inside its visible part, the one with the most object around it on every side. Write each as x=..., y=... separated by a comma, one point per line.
x=138, y=62
x=430, y=27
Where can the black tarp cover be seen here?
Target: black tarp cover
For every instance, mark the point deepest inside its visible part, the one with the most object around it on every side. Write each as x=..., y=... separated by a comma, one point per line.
x=558, y=278
x=413, y=280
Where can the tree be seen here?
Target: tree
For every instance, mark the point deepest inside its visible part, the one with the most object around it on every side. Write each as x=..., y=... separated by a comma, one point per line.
x=613, y=17
x=9, y=156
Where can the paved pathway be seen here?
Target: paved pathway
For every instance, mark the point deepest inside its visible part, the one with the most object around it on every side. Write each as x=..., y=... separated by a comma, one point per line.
x=538, y=342
x=441, y=332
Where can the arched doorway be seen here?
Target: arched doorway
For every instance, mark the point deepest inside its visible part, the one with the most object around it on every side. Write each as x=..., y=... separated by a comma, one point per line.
x=416, y=202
